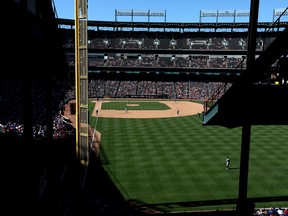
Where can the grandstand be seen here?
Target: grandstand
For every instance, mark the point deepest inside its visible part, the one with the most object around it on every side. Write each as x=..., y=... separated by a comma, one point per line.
x=41, y=173
x=204, y=52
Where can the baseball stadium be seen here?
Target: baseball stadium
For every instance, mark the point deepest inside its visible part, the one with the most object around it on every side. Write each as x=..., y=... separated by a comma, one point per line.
x=138, y=118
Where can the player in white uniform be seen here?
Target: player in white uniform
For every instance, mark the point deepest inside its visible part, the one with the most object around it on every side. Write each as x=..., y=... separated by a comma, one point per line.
x=227, y=162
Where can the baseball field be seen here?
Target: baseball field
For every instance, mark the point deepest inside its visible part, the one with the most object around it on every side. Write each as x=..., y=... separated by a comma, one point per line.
x=158, y=154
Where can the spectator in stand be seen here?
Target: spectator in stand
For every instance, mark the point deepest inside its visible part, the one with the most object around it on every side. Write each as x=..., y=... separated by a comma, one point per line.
x=285, y=212
x=260, y=212
x=280, y=212
x=272, y=212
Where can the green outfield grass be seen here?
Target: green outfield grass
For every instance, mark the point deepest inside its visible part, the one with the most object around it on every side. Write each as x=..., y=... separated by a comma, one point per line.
x=176, y=164
x=141, y=105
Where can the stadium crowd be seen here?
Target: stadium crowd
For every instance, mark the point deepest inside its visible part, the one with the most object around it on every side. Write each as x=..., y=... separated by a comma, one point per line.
x=218, y=50
x=12, y=105
x=187, y=90
x=11, y=102
x=165, y=61
x=272, y=211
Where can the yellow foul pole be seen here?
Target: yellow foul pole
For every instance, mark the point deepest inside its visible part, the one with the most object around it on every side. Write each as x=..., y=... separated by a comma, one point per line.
x=81, y=81
x=76, y=24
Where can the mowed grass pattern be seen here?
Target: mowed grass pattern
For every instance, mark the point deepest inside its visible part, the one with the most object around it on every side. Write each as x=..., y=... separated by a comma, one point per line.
x=133, y=105
x=171, y=160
